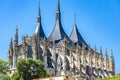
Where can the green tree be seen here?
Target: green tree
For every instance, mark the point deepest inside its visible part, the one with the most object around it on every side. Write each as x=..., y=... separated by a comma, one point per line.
x=28, y=69
x=4, y=67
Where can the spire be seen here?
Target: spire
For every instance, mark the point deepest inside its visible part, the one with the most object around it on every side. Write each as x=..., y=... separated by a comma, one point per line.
x=39, y=30
x=11, y=43
x=112, y=65
x=58, y=10
x=101, y=51
x=39, y=16
x=75, y=36
x=16, y=37
x=111, y=56
x=95, y=48
x=58, y=32
x=106, y=55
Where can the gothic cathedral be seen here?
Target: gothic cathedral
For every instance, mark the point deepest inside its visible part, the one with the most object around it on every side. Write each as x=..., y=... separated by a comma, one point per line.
x=61, y=54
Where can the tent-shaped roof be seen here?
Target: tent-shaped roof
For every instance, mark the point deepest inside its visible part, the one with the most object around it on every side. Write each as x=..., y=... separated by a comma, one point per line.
x=39, y=30
x=58, y=33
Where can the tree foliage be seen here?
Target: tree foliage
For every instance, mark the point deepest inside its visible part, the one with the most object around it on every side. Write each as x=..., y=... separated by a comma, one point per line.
x=4, y=67
x=28, y=69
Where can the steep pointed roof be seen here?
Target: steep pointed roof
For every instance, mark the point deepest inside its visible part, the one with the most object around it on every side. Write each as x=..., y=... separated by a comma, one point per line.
x=58, y=33
x=39, y=30
x=76, y=37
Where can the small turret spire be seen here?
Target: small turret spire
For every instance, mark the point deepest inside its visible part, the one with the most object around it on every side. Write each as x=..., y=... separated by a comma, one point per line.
x=106, y=53
x=101, y=56
x=111, y=55
x=100, y=50
x=11, y=43
x=95, y=48
x=16, y=37
x=112, y=65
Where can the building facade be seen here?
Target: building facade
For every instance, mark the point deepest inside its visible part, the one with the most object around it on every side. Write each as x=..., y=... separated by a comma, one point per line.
x=61, y=54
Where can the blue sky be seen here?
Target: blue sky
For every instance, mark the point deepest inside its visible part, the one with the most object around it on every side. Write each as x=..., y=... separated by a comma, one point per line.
x=98, y=21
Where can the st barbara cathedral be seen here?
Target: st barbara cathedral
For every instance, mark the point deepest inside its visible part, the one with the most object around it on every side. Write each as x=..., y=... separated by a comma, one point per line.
x=61, y=54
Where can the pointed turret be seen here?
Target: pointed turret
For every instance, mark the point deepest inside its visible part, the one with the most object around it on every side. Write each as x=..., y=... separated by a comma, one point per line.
x=111, y=56
x=95, y=49
x=75, y=35
x=100, y=50
x=106, y=55
x=11, y=44
x=10, y=53
x=106, y=60
x=39, y=30
x=101, y=53
x=58, y=33
x=112, y=65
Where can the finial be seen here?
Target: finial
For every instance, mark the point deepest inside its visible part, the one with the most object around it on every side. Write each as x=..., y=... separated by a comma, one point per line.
x=111, y=56
x=39, y=8
x=100, y=49
x=89, y=46
x=111, y=53
x=58, y=11
x=16, y=28
x=11, y=39
x=83, y=45
x=11, y=44
x=38, y=18
x=44, y=38
x=65, y=39
x=58, y=7
x=16, y=35
x=95, y=48
x=75, y=19
x=106, y=53
x=77, y=44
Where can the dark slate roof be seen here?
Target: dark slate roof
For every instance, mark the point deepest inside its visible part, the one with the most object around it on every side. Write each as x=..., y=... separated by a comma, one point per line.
x=58, y=33
x=39, y=30
x=76, y=37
